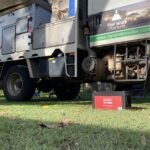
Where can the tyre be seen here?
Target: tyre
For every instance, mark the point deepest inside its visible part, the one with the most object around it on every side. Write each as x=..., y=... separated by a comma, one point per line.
x=17, y=84
x=67, y=91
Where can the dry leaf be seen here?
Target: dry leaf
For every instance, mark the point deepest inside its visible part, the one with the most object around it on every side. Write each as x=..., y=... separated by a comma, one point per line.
x=61, y=124
x=53, y=126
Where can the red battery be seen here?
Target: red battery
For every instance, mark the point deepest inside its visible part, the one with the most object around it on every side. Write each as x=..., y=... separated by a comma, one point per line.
x=112, y=100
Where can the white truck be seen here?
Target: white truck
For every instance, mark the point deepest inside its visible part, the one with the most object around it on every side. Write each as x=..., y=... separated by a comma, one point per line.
x=59, y=44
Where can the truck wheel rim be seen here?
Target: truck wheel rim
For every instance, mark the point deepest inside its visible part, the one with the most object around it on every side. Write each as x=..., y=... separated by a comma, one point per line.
x=14, y=84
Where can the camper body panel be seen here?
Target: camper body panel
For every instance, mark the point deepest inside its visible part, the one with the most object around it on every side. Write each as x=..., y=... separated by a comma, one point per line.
x=16, y=30
x=36, y=32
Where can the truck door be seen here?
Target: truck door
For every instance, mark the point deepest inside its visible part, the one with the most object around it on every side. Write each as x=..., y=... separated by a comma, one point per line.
x=8, y=40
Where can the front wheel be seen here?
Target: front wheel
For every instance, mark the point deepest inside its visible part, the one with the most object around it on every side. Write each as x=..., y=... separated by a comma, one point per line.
x=17, y=84
x=67, y=91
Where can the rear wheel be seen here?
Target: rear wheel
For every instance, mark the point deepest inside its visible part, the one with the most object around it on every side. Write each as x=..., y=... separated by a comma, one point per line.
x=67, y=91
x=17, y=84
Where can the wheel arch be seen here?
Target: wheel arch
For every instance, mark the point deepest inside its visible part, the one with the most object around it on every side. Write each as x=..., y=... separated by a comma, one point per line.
x=17, y=84
x=6, y=65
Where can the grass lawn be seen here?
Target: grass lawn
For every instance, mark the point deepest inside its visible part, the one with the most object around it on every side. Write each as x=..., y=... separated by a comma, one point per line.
x=85, y=128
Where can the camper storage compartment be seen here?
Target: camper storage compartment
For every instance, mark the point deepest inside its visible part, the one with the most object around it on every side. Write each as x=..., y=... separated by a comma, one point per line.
x=52, y=67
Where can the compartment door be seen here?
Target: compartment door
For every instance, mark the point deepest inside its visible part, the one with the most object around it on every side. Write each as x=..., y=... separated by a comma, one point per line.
x=23, y=42
x=8, y=40
x=51, y=35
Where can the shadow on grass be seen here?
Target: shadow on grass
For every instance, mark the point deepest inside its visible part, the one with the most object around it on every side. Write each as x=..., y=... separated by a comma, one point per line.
x=141, y=99
x=80, y=100
x=49, y=101
x=16, y=134
x=133, y=108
